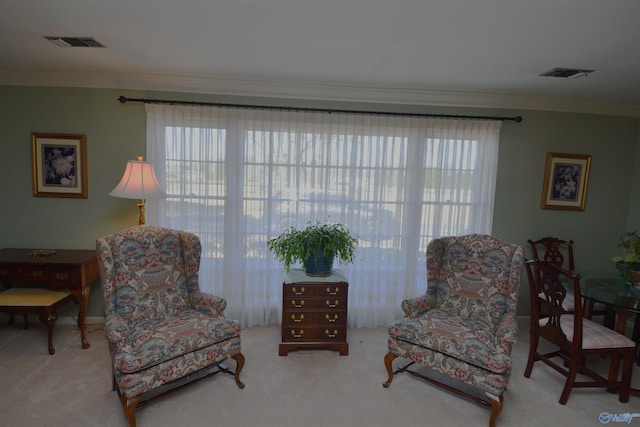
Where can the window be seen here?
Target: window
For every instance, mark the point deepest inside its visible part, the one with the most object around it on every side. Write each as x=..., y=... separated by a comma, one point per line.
x=239, y=177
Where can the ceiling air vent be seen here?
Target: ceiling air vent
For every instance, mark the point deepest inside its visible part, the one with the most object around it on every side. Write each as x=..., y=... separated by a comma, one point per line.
x=74, y=41
x=566, y=73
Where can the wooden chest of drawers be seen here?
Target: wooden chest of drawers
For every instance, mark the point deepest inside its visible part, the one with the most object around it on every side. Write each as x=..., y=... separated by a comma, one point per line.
x=314, y=312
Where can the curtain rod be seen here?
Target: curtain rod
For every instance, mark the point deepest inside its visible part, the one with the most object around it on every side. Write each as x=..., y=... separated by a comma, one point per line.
x=124, y=99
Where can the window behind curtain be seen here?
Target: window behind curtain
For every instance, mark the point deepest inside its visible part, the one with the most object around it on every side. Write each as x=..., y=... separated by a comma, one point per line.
x=239, y=177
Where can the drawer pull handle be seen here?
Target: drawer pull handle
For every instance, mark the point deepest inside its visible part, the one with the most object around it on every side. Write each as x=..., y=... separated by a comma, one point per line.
x=62, y=276
x=331, y=335
x=37, y=273
x=300, y=292
x=293, y=317
x=330, y=292
x=334, y=305
x=299, y=335
x=335, y=317
x=293, y=303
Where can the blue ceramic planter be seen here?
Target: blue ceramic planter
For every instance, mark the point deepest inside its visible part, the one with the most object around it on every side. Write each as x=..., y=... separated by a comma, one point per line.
x=319, y=265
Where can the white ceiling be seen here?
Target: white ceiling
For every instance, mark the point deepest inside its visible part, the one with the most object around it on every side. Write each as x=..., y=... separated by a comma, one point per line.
x=437, y=52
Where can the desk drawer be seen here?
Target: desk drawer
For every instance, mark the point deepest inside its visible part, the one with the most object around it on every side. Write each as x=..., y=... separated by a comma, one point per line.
x=61, y=277
x=24, y=275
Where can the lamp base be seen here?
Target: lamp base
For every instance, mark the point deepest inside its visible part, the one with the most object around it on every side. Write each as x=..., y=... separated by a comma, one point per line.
x=142, y=220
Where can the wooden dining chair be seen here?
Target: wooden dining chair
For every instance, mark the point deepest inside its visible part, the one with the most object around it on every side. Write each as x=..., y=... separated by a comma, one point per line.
x=559, y=252
x=554, y=251
x=575, y=337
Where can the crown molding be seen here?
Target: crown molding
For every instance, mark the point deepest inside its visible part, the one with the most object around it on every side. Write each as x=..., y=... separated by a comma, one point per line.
x=313, y=91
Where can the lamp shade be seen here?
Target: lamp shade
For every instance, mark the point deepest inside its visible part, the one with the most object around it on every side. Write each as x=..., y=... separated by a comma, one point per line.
x=138, y=182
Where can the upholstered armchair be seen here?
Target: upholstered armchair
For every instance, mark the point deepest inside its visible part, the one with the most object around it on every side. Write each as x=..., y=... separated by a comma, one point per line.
x=162, y=331
x=465, y=326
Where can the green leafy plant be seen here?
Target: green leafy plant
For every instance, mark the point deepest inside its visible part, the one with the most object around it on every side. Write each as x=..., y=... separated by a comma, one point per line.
x=630, y=259
x=332, y=239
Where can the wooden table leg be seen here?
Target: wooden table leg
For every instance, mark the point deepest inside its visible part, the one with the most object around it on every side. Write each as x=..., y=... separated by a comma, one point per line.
x=82, y=297
x=82, y=318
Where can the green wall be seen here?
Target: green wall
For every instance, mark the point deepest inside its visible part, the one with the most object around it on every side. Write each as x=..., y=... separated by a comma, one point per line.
x=116, y=133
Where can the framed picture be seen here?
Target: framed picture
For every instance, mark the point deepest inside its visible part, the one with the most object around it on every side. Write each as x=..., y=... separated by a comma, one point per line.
x=59, y=165
x=566, y=178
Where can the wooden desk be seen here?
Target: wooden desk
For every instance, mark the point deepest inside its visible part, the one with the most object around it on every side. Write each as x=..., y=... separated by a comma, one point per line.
x=67, y=269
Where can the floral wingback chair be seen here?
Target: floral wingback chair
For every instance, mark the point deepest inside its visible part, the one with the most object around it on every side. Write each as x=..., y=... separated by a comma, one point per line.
x=160, y=327
x=465, y=325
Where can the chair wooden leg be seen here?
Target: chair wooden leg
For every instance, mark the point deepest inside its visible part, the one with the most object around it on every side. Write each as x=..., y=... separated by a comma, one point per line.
x=388, y=359
x=588, y=308
x=571, y=378
x=627, y=370
x=129, y=408
x=25, y=316
x=635, y=336
x=239, y=358
x=609, y=318
x=533, y=348
x=496, y=409
x=48, y=317
x=614, y=369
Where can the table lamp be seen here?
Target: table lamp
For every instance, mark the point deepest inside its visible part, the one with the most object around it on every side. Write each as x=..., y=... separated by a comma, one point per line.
x=139, y=182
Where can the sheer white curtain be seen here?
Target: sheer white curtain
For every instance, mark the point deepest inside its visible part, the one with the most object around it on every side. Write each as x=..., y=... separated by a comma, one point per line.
x=238, y=177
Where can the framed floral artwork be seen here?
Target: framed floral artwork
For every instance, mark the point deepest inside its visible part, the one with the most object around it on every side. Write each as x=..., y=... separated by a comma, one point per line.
x=566, y=178
x=59, y=165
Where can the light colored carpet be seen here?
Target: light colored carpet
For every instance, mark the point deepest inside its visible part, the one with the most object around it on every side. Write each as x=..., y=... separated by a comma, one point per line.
x=314, y=388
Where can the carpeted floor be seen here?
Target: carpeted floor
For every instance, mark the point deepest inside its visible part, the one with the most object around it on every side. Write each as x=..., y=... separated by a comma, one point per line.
x=314, y=388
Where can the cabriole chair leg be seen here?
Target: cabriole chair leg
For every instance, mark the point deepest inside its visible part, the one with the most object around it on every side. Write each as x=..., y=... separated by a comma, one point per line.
x=388, y=360
x=239, y=358
x=496, y=409
x=129, y=408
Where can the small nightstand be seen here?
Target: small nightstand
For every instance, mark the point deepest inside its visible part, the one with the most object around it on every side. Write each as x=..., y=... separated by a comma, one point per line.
x=314, y=312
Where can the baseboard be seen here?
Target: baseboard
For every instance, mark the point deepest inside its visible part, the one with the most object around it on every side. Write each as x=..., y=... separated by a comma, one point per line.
x=71, y=320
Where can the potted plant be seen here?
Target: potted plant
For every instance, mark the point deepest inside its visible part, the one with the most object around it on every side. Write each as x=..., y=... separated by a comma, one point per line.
x=628, y=265
x=315, y=246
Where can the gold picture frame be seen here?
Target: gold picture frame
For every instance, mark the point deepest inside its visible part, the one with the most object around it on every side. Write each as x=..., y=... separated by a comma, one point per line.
x=59, y=165
x=566, y=179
